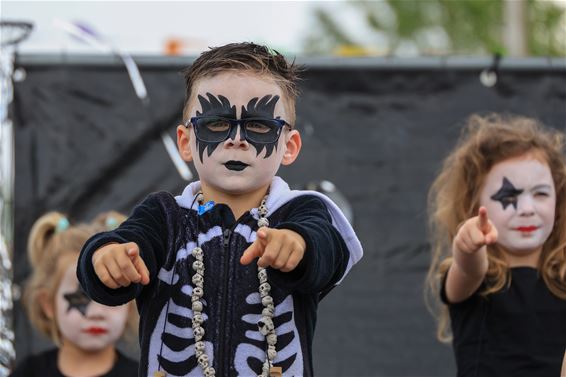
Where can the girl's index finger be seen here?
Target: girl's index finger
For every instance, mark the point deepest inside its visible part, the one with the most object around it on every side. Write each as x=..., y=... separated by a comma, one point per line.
x=483, y=221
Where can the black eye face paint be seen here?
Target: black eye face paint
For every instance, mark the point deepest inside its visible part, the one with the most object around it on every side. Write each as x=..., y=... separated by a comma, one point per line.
x=507, y=194
x=264, y=108
x=77, y=300
x=214, y=106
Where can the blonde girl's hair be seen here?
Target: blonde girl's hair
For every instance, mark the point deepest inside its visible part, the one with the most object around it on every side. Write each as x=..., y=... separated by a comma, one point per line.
x=108, y=221
x=454, y=198
x=53, y=245
x=51, y=241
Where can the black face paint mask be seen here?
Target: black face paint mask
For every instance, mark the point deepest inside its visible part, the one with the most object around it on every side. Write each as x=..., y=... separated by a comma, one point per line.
x=507, y=194
x=77, y=300
x=217, y=123
x=213, y=107
x=264, y=108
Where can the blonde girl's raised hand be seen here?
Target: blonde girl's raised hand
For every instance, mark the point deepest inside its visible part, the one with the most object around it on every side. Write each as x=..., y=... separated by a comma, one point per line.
x=470, y=256
x=119, y=265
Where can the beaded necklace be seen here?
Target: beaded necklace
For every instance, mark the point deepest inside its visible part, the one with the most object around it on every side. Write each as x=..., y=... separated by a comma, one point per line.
x=265, y=324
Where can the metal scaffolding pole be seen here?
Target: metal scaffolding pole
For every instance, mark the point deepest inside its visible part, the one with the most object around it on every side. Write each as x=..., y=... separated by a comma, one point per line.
x=12, y=32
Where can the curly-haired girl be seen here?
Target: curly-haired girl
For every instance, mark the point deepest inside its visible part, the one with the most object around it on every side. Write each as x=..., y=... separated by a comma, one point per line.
x=498, y=219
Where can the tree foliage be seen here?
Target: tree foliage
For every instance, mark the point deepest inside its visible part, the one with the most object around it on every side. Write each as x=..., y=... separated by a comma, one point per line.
x=438, y=27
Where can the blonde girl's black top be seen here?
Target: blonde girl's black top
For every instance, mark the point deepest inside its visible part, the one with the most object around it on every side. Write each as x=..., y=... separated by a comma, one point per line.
x=45, y=365
x=519, y=331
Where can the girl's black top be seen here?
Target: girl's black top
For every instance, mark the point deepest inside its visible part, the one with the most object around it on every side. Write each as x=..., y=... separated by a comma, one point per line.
x=518, y=331
x=45, y=365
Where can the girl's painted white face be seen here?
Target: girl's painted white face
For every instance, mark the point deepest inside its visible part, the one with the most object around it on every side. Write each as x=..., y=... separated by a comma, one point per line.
x=87, y=324
x=238, y=164
x=520, y=198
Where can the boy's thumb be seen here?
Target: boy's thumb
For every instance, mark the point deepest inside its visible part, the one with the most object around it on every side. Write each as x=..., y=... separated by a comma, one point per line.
x=133, y=251
x=263, y=233
x=133, y=254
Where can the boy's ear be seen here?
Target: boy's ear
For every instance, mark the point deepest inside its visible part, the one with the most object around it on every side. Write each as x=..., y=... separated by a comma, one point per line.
x=183, y=142
x=293, y=147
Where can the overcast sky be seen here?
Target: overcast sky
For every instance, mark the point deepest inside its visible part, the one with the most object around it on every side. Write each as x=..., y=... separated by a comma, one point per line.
x=142, y=27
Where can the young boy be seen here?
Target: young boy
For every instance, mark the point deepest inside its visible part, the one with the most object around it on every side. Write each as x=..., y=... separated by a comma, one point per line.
x=205, y=308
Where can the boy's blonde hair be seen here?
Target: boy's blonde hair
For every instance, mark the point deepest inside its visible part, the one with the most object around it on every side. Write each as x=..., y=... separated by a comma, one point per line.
x=53, y=245
x=244, y=57
x=455, y=195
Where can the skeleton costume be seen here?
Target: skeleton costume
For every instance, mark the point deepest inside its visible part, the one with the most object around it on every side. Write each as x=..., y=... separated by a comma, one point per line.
x=167, y=228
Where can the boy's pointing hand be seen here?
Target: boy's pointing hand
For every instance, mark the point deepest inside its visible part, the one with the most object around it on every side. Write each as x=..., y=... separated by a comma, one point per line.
x=281, y=249
x=119, y=265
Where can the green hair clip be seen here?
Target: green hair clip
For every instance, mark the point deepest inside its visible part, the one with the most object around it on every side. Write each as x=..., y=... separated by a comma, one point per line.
x=111, y=223
x=62, y=225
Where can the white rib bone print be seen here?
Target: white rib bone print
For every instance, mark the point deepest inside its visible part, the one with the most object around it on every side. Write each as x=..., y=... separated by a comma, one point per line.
x=247, y=350
x=156, y=347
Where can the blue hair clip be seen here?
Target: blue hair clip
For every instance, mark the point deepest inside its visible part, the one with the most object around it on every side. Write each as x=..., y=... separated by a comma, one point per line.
x=203, y=208
x=111, y=223
x=62, y=225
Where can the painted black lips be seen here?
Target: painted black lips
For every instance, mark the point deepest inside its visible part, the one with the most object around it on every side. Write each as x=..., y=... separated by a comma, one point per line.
x=236, y=165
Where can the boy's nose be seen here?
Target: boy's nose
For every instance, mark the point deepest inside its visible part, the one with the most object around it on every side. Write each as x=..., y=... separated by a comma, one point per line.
x=236, y=139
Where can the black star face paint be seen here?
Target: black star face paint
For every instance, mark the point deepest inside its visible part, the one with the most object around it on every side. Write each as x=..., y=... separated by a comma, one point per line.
x=85, y=323
x=263, y=108
x=77, y=300
x=213, y=106
x=507, y=194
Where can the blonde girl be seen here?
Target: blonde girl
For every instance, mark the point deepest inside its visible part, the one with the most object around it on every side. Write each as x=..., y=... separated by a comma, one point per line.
x=84, y=331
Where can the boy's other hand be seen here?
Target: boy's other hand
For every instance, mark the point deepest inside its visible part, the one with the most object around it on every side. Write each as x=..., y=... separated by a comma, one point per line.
x=475, y=233
x=119, y=265
x=281, y=249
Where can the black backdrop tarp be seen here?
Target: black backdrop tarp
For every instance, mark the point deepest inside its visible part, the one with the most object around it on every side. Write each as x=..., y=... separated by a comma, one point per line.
x=85, y=144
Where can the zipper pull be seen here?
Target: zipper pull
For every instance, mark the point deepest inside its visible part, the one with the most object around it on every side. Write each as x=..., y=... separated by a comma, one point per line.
x=226, y=237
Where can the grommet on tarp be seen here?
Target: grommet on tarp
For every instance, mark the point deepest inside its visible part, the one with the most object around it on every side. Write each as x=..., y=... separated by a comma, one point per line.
x=329, y=189
x=488, y=77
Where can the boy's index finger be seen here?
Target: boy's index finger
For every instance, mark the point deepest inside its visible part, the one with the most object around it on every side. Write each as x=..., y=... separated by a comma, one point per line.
x=483, y=221
x=255, y=250
x=133, y=252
